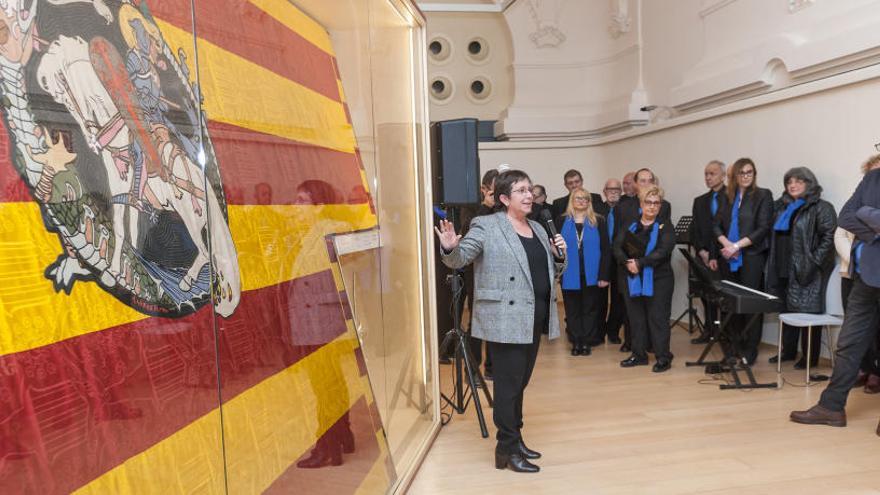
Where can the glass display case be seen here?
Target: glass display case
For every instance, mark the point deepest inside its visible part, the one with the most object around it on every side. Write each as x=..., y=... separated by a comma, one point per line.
x=176, y=183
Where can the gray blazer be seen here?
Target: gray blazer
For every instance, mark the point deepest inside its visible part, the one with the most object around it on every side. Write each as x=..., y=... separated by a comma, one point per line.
x=504, y=298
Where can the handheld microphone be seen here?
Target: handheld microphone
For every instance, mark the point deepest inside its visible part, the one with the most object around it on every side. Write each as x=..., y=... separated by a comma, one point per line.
x=547, y=217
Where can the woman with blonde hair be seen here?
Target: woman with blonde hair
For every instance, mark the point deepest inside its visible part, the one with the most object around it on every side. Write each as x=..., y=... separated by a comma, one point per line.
x=587, y=270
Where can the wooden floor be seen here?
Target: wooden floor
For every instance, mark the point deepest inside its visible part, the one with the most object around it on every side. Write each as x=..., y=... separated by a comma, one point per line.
x=607, y=430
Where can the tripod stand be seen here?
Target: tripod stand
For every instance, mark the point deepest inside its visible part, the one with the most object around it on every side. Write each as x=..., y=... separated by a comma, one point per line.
x=683, y=236
x=463, y=361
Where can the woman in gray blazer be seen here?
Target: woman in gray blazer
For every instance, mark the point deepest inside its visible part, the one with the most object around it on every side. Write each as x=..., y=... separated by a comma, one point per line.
x=515, y=301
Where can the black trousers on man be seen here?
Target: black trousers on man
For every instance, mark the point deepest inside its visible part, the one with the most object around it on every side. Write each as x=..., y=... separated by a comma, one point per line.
x=858, y=332
x=582, y=314
x=649, y=320
x=513, y=366
x=871, y=361
x=746, y=338
x=616, y=311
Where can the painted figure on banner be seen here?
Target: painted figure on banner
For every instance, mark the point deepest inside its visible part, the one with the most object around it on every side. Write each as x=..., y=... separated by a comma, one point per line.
x=106, y=133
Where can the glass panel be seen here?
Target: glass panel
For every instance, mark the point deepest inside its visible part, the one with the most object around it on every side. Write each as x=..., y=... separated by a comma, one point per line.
x=107, y=348
x=295, y=393
x=397, y=111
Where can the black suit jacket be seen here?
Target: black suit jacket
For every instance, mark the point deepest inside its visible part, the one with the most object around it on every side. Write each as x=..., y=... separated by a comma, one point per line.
x=861, y=216
x=702, y=236
x=755, y=220
x=561, y=204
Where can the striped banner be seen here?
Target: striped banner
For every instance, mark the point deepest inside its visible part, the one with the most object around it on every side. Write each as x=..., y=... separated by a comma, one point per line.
x=98, y=397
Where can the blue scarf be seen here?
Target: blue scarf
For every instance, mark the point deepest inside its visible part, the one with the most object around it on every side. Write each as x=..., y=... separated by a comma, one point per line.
x=733, y=234
x=571, y=277
x=714, y=203
x=611, y=224
x=783, y=223
x=644, y=285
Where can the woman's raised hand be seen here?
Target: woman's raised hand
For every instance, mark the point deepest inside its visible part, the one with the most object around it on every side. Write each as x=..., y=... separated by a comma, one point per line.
x=446, y=233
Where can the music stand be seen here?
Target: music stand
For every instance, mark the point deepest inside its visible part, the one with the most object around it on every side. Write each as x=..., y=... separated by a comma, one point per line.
x=736, y=363
x=683, y=236
x=683, y=230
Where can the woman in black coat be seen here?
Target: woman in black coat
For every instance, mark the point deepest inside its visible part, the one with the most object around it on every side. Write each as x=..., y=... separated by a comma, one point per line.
x=648, y=281
x=801, y=257
x=742, y=230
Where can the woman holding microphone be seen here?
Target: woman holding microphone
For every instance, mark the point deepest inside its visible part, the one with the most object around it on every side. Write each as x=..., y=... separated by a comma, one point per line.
x=587, y=270
x=515, y=267
x=648, y=281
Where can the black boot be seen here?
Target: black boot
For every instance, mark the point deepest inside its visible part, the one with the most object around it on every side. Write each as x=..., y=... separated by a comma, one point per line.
x=527, y=452
x=515, y=462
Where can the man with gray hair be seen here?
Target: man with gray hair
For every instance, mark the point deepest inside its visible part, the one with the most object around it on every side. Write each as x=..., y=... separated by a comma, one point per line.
x=706, y=206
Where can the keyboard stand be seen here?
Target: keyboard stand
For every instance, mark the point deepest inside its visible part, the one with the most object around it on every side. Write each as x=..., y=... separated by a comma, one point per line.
x=733, y=365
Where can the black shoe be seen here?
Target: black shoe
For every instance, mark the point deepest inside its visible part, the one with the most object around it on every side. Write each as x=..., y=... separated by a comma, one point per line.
x=613, y=340
x=575, y=350
x=527, y=452
x=775, y=359
x=585, y=350
x=802, y=364
x=661, y=366
x=704, y=338
x=625, y=348
x=321, y=457
x=634, y=361
x=515, y=462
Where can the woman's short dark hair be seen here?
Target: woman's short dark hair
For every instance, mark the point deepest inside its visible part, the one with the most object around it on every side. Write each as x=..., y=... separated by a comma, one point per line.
x=504, y=185
x=814, y=190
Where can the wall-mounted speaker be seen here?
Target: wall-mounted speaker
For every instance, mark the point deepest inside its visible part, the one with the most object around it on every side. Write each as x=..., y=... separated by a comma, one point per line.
x=455, y=162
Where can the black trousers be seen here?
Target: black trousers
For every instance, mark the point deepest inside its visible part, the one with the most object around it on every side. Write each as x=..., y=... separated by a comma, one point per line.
x=871, y=362
x=649, y=320
x=746, y=338
x=513, y=366
x=858, y=332
x=616, y=311
x=582, y=314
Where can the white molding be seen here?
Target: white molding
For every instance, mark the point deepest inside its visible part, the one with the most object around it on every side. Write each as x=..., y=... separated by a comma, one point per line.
x=634, y=48
x=462, y=7
x=829, y=83
x=713, y=6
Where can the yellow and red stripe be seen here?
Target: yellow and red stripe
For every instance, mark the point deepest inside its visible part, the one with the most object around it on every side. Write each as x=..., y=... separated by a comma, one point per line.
x=97, y=397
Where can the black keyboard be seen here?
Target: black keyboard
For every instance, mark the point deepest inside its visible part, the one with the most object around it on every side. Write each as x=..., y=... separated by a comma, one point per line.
x=739, y=299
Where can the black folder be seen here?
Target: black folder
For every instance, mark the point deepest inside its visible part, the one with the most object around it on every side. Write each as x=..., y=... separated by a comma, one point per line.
x=633, y=246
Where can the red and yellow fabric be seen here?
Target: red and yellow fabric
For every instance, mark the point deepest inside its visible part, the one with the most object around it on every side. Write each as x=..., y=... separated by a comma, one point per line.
x=96, y=397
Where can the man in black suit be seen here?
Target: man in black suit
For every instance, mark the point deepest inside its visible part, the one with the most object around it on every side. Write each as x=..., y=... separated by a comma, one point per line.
x=539, y=202
x=629, y=209
x=612, y=299
x=861, y=216
x=706, y=206
x=573, y=180
x=629, y=188
x=487, y=207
